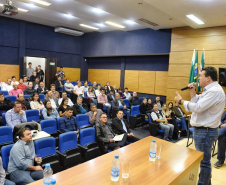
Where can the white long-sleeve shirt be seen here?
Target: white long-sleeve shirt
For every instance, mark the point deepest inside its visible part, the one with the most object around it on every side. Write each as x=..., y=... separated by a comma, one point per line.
x=207, y=107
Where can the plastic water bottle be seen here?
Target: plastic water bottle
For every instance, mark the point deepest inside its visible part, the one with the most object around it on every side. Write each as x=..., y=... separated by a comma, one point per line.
x=48, y=174
x=152, y=152
x=53, y=182
x=115, y=169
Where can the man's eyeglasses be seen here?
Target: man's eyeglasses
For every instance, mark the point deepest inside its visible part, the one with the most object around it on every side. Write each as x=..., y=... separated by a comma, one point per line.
x=104, y=117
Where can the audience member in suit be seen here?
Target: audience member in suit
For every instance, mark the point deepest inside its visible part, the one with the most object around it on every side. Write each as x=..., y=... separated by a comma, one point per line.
x=15, y=115
x=144, y=109
x=121, y=126
x=95, y=86
x=22, y=158
x=102, y=98
x=63, y=106
x=127, y=94
x=105, y=134
x=64, y=95
x=36, y=83
x=36, y=103
x=134, y=100
x=150, y=106
x=25, y=80
x=40, y=73
x=3, y=180
x=21, y=85
x=33, y=76
x=109, y=87
x=94, y=114
x=42, y=89
x=115, y=89
x=52, y=99
x=5, y=104
x=68, y=122
x=49, y=112
x=15, y=91
x=111, y=96
x=221, y=142
x=7, y=86
x=158, y=102
x=30, y=90
x=79, y=107
x=55, y=93
x=24, y=103
x=59, y=83
x=122, y=96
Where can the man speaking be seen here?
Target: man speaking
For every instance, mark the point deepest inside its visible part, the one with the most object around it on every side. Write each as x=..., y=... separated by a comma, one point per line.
x=206, y=111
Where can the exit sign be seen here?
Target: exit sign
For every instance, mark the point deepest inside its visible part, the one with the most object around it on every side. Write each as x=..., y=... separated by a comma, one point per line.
x=52, y=64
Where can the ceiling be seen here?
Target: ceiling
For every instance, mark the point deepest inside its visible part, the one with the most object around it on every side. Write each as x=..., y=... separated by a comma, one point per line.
x=164, y=13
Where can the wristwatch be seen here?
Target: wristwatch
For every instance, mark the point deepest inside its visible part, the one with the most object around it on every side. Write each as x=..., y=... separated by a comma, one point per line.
x=180, y=101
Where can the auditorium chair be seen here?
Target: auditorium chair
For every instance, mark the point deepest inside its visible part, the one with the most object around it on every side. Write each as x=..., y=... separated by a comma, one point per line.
x=27, y=96
x=74, y=83
x=42, y=97
x=83, y=121
x=5, y=152
x=126, y=101
x=46, y=148
x=5, y=93
x=3, y=119
x=89, y=146
x=12, y=98
x=69, y=152
x=154, y=127
x=6, y=136
x=2, y=111
x=32, y=115
x=136, y=119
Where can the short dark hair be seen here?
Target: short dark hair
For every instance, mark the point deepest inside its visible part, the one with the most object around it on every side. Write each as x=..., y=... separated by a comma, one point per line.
x=1, y=94
x=15, y=103
x=21, y=131
x=157, y=96
x=13, y=77
x=112, y=90
x=126, y=88
x=119, y=111
x=210, y=71
x=69, y=108
x=120, y=88
x=61, y=66
x=155, y=104
x=63, y=92
x=51, y=85
x=92, y=104
x=103, y=114
x=29, y=63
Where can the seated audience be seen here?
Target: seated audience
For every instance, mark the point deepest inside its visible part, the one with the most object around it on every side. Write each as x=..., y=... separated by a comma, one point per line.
x=94, y=114
x=63, y=106
x=97, y=91
x=122, y=96
x=21, y=85
x=120, y=104
x=85, y=87
x=134, y=100
x=78, y=90
x=158, y=117
x=180, y=115
x=30, y=90
x=158, y=102
x=68, y=86
x=95, y=86
x=49, y=112
x=68, y=122
x=115, y=89
x=109, y=88
x=105, y=135
x=22, y=158
x=5, y=103
x=121, y=126
x=127, y=94
x=36, y=103
x=36, y=84
x=14, y=80
x=15, y=115
x=7, y=86
x=24, y=103
x=59, y=84
x=33, y=76
x=3, y=180
x=55, y=93
x=171, y=119
x=111, y=96
x=150, y=106
x=25, y=80
x=102, y=98
x=91, y=95
x=52, y=99
x=79, y=107
x=221, y=142
x=107, y=91
x=42, y=89
x=144, y=109
x=64, y=95
x=15, y=91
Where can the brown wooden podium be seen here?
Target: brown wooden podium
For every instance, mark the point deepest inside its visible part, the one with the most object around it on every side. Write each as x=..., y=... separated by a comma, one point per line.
x=178, y=165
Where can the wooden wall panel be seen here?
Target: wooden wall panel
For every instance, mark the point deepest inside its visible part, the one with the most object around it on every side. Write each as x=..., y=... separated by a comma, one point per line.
x=179, y=70
x=114, y=77
x=72, y=74
x=132, y=80
x=7, y=71
x=161, y=83
x=177, y=83
x=147, y=82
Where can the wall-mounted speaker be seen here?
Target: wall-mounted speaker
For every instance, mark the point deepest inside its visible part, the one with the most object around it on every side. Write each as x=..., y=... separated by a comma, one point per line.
x=222, y=76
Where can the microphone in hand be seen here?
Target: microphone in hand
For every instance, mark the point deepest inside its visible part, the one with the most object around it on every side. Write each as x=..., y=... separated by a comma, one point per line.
x=194, y=84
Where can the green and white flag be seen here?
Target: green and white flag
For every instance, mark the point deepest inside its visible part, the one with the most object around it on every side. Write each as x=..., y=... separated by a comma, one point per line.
x=194, y=68
x=202, y=64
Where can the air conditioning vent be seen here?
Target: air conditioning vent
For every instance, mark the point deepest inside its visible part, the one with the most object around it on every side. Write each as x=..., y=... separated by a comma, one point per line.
x=68, y=31
x=148, y=22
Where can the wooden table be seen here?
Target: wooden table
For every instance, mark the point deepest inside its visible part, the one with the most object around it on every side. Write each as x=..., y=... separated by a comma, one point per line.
x=178, y=165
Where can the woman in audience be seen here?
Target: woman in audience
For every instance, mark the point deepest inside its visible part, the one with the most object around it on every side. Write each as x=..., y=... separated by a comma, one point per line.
x=14, y=80
x=91, y=95
x=49, y=112
x=171, y=119
x=150, y=106
x=36, y=103
x=106, y=89
x=97, y=92
x=122, y=95
x=63, y=106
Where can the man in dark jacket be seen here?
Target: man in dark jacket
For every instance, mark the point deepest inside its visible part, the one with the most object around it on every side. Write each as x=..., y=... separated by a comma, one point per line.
x=24, y=103
x=111, y=96
x=134, y=100
x=5, y=104
x=30, y=90
x=42, y=89
x=79, y=107
x=121, y=126
x=59, y=83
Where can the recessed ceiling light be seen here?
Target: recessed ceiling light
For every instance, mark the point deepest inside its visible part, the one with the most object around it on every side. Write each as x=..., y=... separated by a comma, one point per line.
x=69, y=15
x=130, y=22
x=97, y=10
x=41, y=2
x=1, y=4
x=101, y=25
x=115, y=24
x=195, y=19
x=90, y=27
x=31, y=5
